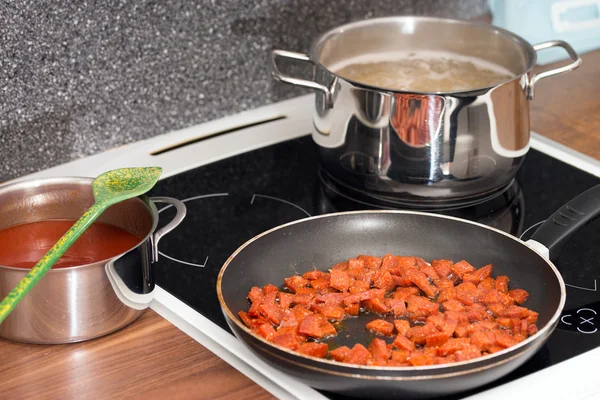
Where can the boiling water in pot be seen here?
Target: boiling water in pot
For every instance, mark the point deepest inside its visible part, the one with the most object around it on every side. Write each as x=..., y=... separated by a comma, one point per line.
x=423, y=71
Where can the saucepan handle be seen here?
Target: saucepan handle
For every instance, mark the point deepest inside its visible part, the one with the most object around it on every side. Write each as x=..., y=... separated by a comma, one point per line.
x=179, y=216
x=280, y=76
x=556, y=71
x=570, y=218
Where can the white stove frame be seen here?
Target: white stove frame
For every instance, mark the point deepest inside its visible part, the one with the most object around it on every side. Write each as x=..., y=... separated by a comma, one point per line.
x=574, y=379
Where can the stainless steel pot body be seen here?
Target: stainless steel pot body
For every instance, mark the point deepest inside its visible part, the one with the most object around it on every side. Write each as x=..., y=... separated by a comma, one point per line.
x=423, y=148
x=78, y=303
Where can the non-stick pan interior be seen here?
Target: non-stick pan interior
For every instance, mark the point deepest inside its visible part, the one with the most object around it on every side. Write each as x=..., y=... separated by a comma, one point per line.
x=323, y=241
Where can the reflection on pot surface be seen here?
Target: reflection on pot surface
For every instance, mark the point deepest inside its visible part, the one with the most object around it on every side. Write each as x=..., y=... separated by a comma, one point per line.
x=427, y=147
x=415, y=116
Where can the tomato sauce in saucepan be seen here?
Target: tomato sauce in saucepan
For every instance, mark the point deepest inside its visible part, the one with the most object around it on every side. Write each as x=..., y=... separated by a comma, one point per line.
x=22, y=246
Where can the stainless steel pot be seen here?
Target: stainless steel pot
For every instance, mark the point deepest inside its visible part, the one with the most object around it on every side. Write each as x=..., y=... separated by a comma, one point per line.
x=423, y=148
x=78, y=303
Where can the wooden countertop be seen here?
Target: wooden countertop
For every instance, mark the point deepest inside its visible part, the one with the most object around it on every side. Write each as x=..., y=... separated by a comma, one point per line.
x=153, y=359
x=566, y=108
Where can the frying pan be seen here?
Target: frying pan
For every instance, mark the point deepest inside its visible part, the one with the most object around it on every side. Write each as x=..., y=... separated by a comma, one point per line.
x=324, y=240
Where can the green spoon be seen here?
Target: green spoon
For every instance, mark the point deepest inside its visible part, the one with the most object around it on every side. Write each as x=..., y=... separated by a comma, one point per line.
x=109, y=188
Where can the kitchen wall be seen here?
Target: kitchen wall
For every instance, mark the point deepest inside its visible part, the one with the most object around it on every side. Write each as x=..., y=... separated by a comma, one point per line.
x=79, y=77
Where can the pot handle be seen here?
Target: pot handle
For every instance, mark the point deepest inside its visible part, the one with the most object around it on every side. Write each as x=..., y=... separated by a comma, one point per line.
x=570, y=218
x=179, y=216
x=281, y=77
x=556, y=71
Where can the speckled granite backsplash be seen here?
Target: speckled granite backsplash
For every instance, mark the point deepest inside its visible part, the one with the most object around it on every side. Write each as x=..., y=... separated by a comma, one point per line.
x=78, y=77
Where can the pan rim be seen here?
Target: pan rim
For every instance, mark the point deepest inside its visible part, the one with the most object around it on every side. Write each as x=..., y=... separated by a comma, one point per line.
x=549, y=326
x=443, y=375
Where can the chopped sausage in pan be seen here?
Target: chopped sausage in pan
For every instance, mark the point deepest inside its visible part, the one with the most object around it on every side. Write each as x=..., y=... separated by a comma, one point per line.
x=418, y=313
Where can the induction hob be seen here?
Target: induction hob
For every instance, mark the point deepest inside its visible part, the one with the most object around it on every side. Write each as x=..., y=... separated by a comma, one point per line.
x=239, y=178
x=247, y=194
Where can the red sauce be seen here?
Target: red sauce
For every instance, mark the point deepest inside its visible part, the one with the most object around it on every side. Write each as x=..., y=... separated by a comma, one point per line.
x=22, y=246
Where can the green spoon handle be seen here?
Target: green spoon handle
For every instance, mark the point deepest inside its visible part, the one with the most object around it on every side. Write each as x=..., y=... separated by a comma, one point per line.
x=46, y=263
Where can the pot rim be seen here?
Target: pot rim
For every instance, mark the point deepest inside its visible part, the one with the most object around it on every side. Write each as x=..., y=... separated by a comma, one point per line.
x=323, y=38
x=34, y=182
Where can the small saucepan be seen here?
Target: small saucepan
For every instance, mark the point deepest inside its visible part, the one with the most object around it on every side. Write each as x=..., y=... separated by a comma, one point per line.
x=77, y=303
x=322, y=241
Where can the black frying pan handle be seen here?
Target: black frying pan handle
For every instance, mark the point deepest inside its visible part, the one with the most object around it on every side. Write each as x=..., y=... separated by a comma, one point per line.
x=570, y=218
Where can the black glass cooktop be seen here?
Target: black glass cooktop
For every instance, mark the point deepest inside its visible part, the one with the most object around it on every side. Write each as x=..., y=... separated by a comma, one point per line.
x=232, y=200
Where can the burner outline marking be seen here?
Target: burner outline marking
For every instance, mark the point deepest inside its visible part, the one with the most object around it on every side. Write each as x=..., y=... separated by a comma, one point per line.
x=183, y=201
x=562, y=319
x=531, y=227
x=281, y=200
x=587, y=332
x=185, y=262
x=222, y=195
x=595, y=289
x=586, y=309
x=195, y=198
